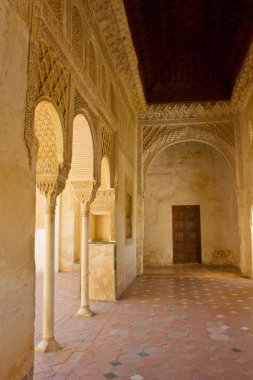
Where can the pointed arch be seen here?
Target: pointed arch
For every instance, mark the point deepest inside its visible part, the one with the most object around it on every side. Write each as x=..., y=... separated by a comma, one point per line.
x=82, y=167
x=48, y=131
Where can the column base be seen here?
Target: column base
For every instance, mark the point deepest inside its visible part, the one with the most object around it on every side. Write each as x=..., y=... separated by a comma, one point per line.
x=85, y=311
x=48, y=345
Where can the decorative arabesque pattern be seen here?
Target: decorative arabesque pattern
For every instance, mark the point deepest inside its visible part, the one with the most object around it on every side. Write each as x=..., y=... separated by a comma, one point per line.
x=56, y=6
x=244, y=83
x=112, y=97
x=187, y=111
x=220, y=136
x=47, y=160
x=104, y=83
x=106, y=142
x=77, y=32
x=112, y=21
x=92, y=63
x=53, y=78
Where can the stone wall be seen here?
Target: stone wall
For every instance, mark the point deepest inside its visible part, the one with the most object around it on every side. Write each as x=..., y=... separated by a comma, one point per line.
x=191, y=173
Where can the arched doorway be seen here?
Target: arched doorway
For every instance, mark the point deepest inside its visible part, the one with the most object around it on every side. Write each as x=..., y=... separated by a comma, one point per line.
x=191, y=174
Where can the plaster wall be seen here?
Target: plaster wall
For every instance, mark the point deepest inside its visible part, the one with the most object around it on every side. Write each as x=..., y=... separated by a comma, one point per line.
x=102, y=278
x=191, y=173
x=126, y=248
x=245, y=160
x=17, y=204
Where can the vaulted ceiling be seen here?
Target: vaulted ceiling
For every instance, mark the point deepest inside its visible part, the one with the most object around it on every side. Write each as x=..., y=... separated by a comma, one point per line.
x=189, y=50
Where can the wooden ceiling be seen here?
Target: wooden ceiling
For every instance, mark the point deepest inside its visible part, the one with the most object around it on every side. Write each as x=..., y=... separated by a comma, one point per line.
x=189, y=50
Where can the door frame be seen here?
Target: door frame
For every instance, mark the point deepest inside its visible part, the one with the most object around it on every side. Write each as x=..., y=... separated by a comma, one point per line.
x=199, y=252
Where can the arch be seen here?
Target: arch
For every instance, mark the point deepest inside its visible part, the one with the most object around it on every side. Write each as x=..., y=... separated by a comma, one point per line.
x=48, y=131
x=77, y=32
x=191, y=173
x=189, y=134
x=92, y=65
x=82, y=167
x=91, y=120
x=104, y=83
x=105, y=173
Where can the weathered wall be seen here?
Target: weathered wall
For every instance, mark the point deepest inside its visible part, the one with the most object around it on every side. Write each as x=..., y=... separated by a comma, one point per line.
x=126, y=248
x=190, y=174
x=245, y=123
x=17, y=203
x=102, y=272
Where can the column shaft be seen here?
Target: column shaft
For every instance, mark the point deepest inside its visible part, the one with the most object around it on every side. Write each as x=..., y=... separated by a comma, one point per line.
x=48, y=343
x=85, y=310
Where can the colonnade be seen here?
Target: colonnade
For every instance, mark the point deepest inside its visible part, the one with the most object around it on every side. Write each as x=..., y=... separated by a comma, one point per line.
x=85, y=196
x=51, y=180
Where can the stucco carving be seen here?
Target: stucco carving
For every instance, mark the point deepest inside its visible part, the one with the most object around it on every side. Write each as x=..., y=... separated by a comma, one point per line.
x=244, y=83
x=220, y=136
x=85, y=193
x=114, y=27
x=77, y=32
x=53, y=58
x=50, y=184
x=54, y=79
x=187, y=111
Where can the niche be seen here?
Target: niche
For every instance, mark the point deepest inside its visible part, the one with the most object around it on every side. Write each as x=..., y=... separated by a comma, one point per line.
x=128, y=216
x=128, y=209
x=100, y=227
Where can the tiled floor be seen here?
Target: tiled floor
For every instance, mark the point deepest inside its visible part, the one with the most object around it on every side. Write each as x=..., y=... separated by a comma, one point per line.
x=178, y=323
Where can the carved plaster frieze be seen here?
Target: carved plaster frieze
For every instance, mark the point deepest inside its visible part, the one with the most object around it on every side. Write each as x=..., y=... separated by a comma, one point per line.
x=224, y=131
x=186, y=111
x=64, y=41
x=53, y=77
x=113, y=24
x=243, y=87
x=214, y=137
x=106, y=142
x=105, y=195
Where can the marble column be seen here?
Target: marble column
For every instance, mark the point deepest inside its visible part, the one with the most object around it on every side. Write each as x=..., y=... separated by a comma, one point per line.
x=85, y=310
x=48, y=342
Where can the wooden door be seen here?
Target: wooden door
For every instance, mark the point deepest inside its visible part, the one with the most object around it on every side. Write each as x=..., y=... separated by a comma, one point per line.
x=186, y=234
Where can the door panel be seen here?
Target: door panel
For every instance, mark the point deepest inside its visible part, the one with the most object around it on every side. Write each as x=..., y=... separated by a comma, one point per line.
x=186, y=234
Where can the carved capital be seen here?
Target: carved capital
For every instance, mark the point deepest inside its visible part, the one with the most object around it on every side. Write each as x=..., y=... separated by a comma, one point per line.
x=85, y=192
x=50, y=184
